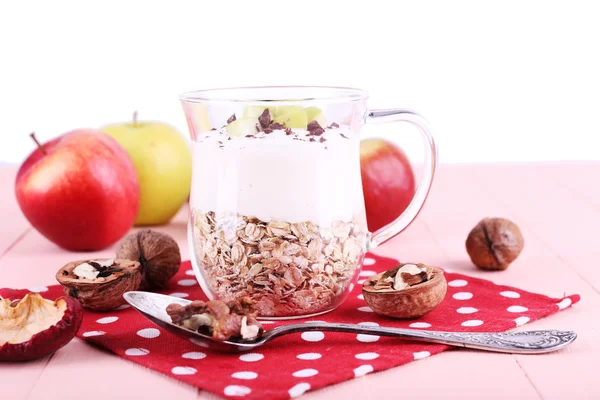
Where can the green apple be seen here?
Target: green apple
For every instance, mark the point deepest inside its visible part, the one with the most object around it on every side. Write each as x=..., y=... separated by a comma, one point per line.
x=315, y=114
x=287, y=110
x=293, y=119
x=163, y=162
x=256, y=111
x=242, y=127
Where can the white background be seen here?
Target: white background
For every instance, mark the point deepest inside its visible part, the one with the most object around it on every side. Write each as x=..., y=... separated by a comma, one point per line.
x=499, y=81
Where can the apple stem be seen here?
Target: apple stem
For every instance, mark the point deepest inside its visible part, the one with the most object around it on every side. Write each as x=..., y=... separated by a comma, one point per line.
x=39, y=145
x=135, y=117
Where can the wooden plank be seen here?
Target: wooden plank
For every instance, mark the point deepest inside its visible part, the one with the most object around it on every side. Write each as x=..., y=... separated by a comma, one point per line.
x=14, y=225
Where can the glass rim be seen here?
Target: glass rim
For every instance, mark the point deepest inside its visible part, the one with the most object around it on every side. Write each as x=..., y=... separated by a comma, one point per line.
x=336, y=93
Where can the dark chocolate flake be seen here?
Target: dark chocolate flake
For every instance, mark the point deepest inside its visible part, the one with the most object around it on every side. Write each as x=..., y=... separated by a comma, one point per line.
x=314, y=128
x=288, y=131
x=213, y=129
x=322, y=139
x=312, y=139
x=344, y=136
x=276, y=125
x=267, y=130
x=265, y=118
x=231, y=119
x=333, y=125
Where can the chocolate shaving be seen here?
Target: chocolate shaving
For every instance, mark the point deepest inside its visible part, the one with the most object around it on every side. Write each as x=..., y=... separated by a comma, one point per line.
x=265, y=118
x=344, y=136
x=231, y=119
x=288, y=131
x=276, y=125
x=213, y=129
x=229, y=138
x=312, y=140
x=250, y=136
x=314, y=128
x=267, y=130
x=333, y=125
x=322, y=139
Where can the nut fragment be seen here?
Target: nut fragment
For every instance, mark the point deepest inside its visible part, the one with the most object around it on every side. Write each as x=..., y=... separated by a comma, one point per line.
x=494, y=243
x=34, y=327
x=405, y=291
x=100, y=284
x=235, y=319
x=158, y=254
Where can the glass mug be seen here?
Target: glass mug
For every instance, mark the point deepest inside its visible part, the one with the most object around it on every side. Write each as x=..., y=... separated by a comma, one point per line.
x=276, y=208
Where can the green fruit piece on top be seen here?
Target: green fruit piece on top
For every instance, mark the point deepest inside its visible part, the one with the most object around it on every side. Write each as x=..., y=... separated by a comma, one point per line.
x=287, y=110
x=315, y=114
x=293, y=119
x=256, y=111
x=242, y=127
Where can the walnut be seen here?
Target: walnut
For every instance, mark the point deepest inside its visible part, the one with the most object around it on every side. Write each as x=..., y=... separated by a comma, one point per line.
x=405, y=291
x=235, y=319
x=158, y=254
x=99, y=285
x=494, y=243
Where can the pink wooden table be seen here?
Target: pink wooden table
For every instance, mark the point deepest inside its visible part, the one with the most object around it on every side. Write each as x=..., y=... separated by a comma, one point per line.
x=557, y=207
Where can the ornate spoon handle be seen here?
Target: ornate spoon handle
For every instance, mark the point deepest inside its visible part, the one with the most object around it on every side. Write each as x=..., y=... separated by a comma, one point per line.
x=525, y=342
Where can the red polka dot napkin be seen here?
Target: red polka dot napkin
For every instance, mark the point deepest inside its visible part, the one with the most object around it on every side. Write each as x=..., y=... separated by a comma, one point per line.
x=294, y=364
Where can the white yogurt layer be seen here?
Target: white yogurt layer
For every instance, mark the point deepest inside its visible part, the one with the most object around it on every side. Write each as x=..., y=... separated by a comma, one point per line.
x=278, y=176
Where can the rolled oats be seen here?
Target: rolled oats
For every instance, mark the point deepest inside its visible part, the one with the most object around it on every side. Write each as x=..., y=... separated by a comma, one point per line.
x=287, y=269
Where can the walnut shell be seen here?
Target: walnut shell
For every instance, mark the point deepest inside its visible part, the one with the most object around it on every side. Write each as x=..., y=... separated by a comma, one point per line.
x=494, y=243
x=158, y=254
x=411, y=302
x=104, y=293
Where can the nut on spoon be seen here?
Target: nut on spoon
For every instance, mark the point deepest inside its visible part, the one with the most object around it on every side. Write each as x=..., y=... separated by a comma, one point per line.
x=154, y=305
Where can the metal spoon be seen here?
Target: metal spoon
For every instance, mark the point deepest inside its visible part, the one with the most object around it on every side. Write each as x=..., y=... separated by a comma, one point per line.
x=154, y=306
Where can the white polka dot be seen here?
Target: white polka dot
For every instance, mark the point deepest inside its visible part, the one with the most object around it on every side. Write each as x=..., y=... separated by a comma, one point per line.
x=122, y=307
x=368, y=323
x=187, y=282
x=365, y=309
x=194, y=355
x=472, y=322
x=362, y=370
x=458, y=283
x=179, y=294
x=421, y=354
x=184, y=371
x=510, y=294
x=361, y=281
x=267, y=322
x=517, y=309
x=107, y=320
x=313, y=336
x=190, y=272
x=38, y=289
x=299, y=389
x=136, y=352
x=148, y=333
x=237, y=390
x=368, y=261
x=522, y=320
x=467, y=310
x=351, y=287
x=244, y=375
x=251, y=357
x=305, y=373
x=309, y=356
x=366, y=356
x=566, y=302
x=360, y=297
x=462, y=296
x=199, y=342
x=93, y=333
x=420, y=325
x=367, y=273
x=361, y=337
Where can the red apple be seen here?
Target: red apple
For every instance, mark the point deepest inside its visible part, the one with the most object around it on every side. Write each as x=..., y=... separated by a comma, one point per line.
x=79, y=190
x=388, y=181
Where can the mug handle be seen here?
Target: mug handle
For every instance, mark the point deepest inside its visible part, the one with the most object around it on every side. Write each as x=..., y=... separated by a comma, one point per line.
x=387, y=232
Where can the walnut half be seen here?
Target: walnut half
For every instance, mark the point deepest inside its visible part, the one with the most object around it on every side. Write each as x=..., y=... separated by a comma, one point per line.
x=100, y=284
x=405, y=291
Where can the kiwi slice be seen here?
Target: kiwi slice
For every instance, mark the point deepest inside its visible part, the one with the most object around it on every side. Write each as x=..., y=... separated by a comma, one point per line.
x=315, y=114
x=242, y=127
x=256, y=111
x=292, y=119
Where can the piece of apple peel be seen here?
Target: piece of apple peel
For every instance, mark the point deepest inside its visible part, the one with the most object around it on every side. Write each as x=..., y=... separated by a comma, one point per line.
x=34, y=327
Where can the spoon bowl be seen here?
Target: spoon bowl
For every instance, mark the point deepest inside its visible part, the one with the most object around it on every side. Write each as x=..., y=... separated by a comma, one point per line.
x=154, y=306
